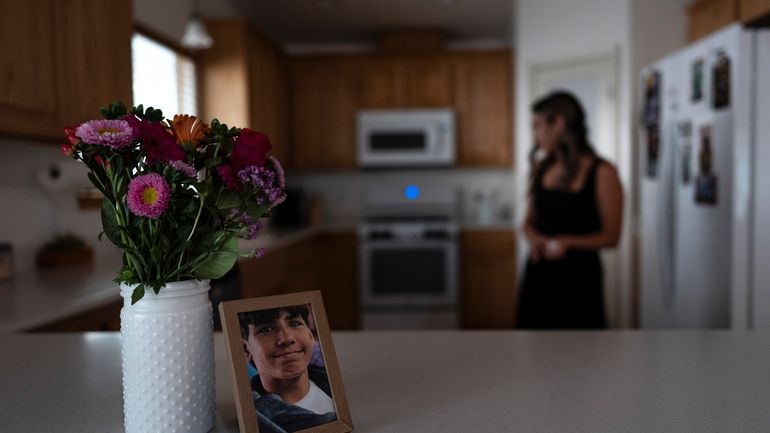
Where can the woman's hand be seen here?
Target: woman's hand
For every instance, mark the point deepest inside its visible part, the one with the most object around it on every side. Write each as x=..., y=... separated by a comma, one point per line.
x=555, y=248
x=537, y=244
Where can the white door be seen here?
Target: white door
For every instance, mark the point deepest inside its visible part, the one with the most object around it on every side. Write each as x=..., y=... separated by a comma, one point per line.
x=593, y=80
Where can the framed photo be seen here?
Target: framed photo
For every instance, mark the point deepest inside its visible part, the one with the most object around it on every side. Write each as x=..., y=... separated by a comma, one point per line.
x=283, y=365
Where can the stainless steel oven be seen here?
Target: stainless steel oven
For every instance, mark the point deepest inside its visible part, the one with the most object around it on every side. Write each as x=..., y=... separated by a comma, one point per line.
x=408, y=265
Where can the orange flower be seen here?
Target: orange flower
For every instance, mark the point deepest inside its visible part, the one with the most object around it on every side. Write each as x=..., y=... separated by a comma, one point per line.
x=188, y=129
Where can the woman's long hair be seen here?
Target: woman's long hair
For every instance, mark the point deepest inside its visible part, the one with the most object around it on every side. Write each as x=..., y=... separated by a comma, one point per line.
x=572, y=144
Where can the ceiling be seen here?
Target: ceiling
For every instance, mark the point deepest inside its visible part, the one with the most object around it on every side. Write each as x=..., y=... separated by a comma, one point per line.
x=355, y=22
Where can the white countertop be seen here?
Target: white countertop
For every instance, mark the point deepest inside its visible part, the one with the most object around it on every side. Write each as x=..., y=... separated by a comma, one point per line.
x=399, y=382
x=39, y=297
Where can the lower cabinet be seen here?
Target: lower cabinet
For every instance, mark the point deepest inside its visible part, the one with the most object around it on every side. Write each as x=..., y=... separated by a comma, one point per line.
x=325, y=262
x=488, y=279
x=105, y=318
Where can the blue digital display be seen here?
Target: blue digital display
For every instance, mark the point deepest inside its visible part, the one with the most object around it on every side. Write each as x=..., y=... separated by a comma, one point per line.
x=412, y=192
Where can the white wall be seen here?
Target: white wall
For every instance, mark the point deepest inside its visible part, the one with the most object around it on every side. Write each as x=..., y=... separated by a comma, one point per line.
x=553, y=30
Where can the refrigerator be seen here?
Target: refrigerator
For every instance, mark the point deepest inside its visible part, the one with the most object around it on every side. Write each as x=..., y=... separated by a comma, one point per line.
x=704, y=184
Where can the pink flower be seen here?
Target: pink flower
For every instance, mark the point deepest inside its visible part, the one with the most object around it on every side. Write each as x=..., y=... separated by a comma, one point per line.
x=157, y=143
x=148, y=195
x=250, y=148
x=116, y=134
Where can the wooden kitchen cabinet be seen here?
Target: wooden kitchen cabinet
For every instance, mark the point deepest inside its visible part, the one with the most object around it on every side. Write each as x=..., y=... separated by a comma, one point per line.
x=104, y=318
x=483, y=101
x=60, y=62
x=324, y=103
x=488, y=279
x=707, y=16
x=326, y=262
x=243, y=83
x=753, y=10
x=405, y=81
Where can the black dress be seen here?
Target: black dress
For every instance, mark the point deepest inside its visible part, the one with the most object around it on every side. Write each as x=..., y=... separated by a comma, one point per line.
x=565, y=293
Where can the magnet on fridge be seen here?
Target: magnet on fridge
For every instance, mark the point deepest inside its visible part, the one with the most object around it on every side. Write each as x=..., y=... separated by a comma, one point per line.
x=653, y=150
x=651, y=109
x=697, y=81
x=685, y=132
x=706, y=181
x=721, y=81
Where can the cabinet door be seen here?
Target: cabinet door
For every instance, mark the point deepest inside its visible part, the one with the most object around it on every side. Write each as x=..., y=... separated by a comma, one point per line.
x=337, y=259
x=428, y=81
x=382, y=82
x=265, y=276
x=28, y=65
x=483, y=101
x=751, y=10
x=706, y=16
x=325, y=100
x=488, y=279
x=268, y=90
x=95, y=61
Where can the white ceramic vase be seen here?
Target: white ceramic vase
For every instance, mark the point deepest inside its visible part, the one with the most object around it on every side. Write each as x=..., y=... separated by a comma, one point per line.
x=168, y=359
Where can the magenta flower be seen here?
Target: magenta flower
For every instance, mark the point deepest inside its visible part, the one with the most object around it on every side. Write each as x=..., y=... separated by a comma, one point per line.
x=116, y=134
x=157, y=143
x=148, y=195
x=183, y=168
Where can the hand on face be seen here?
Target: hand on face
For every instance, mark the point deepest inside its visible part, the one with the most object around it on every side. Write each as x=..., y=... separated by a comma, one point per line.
x=281, y=349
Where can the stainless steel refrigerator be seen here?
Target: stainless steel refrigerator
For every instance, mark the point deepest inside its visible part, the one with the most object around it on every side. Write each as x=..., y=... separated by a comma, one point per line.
x=704, y=167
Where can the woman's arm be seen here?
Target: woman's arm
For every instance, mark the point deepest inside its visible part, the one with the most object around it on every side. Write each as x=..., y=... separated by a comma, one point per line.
x=609, y=194
x=536, y=240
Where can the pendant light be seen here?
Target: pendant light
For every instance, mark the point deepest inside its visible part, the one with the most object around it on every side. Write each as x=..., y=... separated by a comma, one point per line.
x=196, y=37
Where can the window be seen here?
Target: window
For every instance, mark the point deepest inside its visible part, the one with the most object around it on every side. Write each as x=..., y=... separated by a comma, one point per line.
x=163, y=78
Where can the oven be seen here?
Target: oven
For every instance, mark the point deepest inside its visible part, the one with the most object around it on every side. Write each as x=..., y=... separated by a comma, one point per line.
x=409, y=274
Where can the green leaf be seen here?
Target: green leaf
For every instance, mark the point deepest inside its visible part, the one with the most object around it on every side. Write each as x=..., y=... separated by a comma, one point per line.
x=229, y=199
x=110, y=222
x=137, y=294
x=219, y=262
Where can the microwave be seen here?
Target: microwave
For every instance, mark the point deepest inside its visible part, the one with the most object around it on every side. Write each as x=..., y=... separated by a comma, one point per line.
x=406, y=138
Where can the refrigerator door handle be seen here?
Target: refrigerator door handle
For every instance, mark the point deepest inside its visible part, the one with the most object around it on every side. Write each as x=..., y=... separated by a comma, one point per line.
x=666, y=218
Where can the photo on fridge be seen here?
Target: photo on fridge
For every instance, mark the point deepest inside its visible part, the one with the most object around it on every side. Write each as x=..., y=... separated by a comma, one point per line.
x=721, y=81
x=706, y=181
x=696, y=94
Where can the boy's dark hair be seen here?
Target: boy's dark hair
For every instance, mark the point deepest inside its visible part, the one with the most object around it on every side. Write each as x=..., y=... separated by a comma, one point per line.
x=261, y=317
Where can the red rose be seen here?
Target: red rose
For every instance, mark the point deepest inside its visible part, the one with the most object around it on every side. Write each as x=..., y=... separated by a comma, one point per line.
x=250, y=148
x=69, y=131
x=67, y=149
x=228, y=176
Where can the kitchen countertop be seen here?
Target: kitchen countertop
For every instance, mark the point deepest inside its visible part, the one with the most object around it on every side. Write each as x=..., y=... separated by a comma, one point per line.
x=39, y=297
x=444, y=381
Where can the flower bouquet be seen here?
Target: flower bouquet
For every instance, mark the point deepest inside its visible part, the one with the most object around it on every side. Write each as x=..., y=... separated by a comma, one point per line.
x=178, y=193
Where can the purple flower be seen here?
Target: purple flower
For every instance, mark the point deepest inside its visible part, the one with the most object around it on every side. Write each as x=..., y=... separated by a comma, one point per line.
x=183, y=168
x=269, y=180
x=251, y=227
x=116, y=134
x=148, y=195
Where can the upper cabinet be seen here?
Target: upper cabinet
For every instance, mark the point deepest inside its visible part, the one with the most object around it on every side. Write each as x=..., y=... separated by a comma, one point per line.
x=483, y=101
x=60, y=62
x=327, y=92
x=753, y=10
x=324, y=102
x=244, y=82
x=398, y=81
x=707, y=16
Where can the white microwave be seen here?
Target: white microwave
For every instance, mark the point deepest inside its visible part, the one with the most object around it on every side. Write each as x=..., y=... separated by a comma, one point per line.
x=406, y=138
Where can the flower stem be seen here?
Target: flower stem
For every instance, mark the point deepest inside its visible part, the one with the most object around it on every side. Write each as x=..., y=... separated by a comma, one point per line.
x=195, y=224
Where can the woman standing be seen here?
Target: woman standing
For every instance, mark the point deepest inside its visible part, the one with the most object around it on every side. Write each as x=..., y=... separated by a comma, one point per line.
x=575, y=209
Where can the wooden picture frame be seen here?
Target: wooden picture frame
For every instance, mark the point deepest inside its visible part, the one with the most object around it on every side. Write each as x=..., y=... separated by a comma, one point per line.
x=237, y=351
